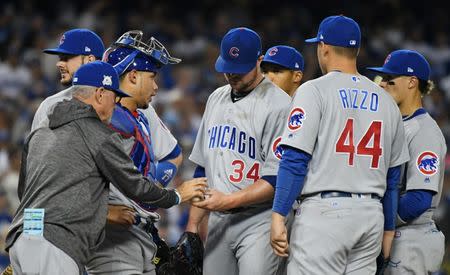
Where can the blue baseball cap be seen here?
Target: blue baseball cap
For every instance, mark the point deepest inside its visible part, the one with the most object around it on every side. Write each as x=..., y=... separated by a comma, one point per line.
x=405, y=62
x=98, y=74
x=338, y=30
x=239, y=51
x=79, y=42
x=285, y=56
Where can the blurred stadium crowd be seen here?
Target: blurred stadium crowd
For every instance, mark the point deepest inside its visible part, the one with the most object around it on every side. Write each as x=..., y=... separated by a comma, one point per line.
x=192, y=31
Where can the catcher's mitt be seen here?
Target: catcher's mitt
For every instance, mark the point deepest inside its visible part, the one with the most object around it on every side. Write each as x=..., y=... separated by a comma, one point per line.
x=186, y=258
x=7, y=271
x=382, y=263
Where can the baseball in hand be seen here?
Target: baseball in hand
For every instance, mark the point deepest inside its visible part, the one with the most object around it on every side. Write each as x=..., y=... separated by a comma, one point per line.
x=197, y=199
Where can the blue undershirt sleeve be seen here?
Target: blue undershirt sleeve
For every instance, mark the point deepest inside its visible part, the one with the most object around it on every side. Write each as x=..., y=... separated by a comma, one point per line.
x=414, y=203
x=175, y=153
x=270, y=179
x=390, y=199
x=290, y=178
x=199, y=172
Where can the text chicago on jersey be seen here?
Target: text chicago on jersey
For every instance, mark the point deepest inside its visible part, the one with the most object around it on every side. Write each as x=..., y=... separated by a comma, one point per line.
x=228, y=137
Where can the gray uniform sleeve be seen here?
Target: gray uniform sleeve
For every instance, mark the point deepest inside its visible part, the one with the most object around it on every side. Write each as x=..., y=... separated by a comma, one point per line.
x=271, y=137
x=399, y=150
x=118, y=168
x=163, y=140
x=46, y=108
x=40, y=117
x=424, y=169
x=301, y=127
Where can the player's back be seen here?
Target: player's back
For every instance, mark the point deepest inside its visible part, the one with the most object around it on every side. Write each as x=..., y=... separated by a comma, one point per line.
x=355, y=137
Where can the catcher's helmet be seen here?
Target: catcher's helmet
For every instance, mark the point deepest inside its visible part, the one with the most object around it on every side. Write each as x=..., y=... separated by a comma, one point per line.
x=130, y=53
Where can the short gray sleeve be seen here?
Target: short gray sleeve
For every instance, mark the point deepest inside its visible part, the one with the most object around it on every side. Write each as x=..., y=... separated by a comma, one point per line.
x=425, y=167
x=301, y=127
x=163, y=140
x=271, y=138
x=46, y=108
x=399, y=151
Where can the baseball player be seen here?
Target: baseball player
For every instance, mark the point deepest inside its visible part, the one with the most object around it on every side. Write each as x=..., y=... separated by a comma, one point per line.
x=418, y=246
x=130, y=249
x=284, y=65
x=236, y=149
x=76, y=47
x=343, y=140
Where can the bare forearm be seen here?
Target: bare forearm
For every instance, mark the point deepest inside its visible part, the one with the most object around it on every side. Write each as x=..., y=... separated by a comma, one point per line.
x=177, y=161
x=388, y=238
x=196, y=215
x=258, y=192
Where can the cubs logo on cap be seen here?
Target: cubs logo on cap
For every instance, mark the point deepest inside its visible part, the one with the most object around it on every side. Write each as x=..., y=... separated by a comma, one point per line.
x=79, y=42
x=405, y=62
x=272, y=51
x=285, y=56
x=62, y=39
x=234, y=52
x=239, y=51
x=276, y=148
x=296, y=118
x=427, y=163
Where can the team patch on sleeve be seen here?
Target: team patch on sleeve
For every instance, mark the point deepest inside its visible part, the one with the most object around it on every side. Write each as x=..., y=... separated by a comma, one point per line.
x=296, y=118
x=427, y=163
x=276, y=148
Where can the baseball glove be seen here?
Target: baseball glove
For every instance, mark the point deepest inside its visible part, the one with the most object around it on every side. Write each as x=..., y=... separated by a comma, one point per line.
x=7, y=271
x=186, y=258
x=382, y=263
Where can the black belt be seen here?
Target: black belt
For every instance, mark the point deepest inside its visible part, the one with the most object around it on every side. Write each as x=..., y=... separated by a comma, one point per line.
x=339, y=194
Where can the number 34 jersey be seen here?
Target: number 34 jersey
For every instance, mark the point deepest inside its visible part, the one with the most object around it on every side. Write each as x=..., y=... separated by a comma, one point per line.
x=237, y=141
x=352, y=128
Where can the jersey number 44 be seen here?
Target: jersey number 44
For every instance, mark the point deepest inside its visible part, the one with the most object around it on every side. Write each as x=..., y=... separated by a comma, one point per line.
x=346, y=145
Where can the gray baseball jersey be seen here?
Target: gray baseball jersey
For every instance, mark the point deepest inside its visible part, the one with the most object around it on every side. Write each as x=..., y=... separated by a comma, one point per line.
x=354, y=132
x=419, y=246
x=236, y=144
x=425, y=170
x=352, y=128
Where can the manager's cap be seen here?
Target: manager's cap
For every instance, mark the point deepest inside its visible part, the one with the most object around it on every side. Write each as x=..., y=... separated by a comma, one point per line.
x=239, y=51
x=285, y=56
x=338, y=30
x=98, y=74
x=79, y=42
x=405, y=62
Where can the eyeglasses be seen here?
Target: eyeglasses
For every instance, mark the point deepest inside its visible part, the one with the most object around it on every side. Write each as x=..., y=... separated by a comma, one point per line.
x=118, y=99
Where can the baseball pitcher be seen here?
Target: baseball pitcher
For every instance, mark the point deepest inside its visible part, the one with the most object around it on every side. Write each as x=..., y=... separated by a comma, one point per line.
x=236, y=148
